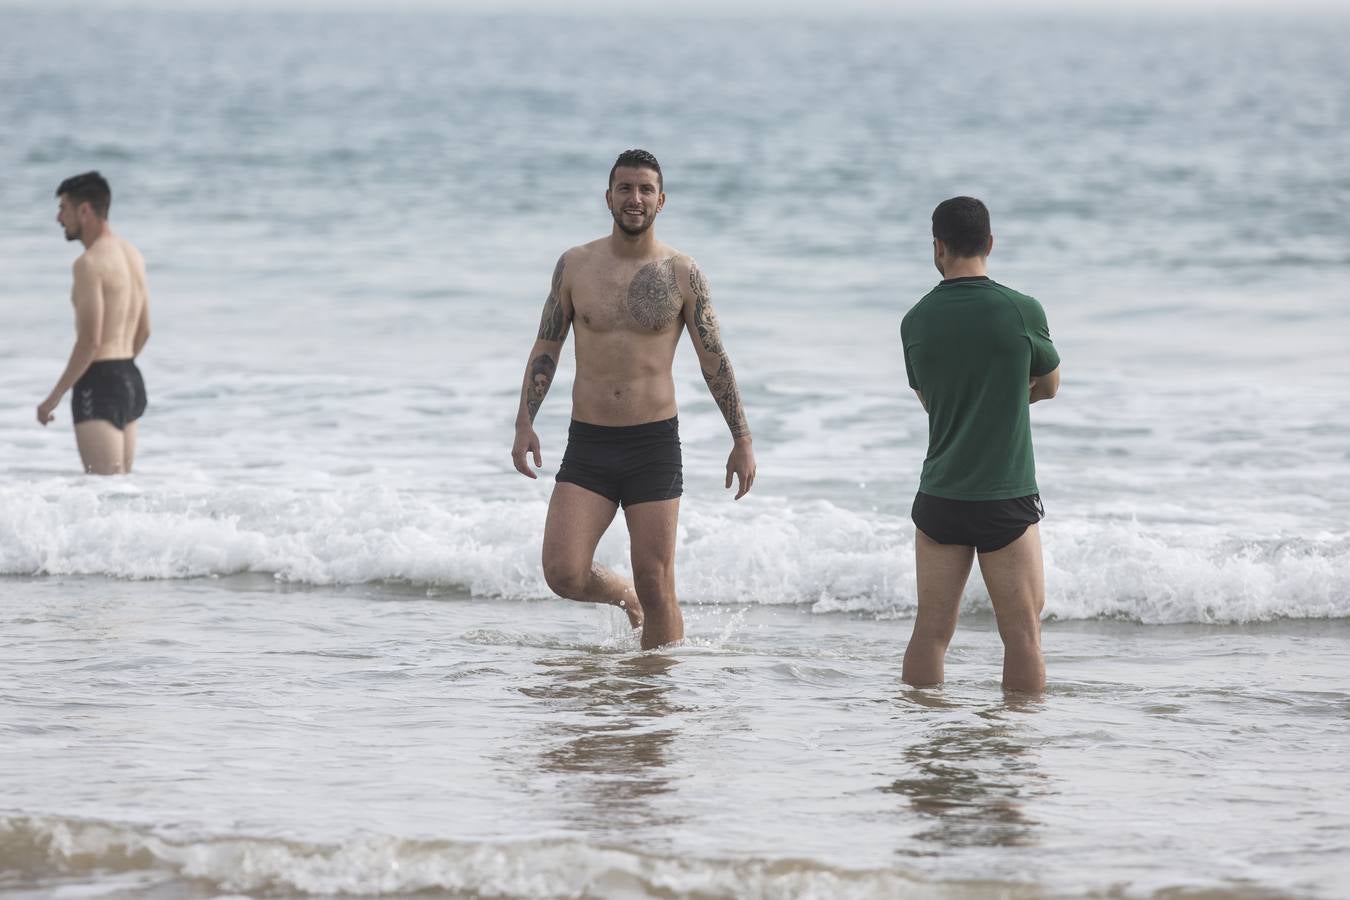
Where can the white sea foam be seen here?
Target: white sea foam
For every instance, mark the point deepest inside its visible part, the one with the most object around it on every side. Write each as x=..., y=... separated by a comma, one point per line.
x=816, y=553
x=372, y=865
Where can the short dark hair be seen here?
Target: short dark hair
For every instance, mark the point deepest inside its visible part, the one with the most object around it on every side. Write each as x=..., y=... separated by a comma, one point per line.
x=962, y=223
x=638, y=159
x=91, y=188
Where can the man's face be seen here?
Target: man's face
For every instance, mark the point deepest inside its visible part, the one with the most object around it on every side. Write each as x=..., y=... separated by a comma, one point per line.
x=68, y=216
x=634, y=198
x=938, y=253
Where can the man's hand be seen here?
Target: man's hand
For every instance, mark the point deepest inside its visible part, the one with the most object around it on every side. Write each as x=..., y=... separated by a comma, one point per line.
x=44, y=410
x=741, y=464
x=1043, y=387
x=528, y=442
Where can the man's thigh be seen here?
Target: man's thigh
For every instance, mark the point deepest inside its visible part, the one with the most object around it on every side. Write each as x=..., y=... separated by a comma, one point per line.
x=101, y=447
x=1015, y=578
x=128, y=446
x=941, y=571
x=577, y=519
x=652, y=528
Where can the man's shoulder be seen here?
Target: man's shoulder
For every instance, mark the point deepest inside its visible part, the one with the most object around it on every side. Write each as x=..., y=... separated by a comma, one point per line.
x=99, y=263
x=681, y=262
x=916, y=311
x=677, y=259
x=581, y=251
x=131, y=252
x=107, y=255
x=1011, y=293
x=85, y=264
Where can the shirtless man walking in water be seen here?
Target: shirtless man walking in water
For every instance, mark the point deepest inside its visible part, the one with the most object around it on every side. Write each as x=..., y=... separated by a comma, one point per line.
x=627, y=295
x=112, y=324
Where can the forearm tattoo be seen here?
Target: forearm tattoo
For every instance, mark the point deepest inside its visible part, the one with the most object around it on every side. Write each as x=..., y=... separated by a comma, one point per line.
x=540, y=378
x=553, y=323
x=722, y=383
x=654, y=295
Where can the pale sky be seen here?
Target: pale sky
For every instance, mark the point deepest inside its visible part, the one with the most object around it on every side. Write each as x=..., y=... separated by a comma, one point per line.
x=756, y=8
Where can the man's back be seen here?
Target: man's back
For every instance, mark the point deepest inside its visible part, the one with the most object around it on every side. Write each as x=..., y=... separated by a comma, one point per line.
x=971, y=346
x=119, y=270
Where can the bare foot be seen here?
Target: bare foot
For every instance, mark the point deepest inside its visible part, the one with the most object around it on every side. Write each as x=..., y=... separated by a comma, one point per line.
x=631, y=606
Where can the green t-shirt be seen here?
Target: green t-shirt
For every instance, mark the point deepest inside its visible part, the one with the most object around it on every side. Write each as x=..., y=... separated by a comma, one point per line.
x=971, y=345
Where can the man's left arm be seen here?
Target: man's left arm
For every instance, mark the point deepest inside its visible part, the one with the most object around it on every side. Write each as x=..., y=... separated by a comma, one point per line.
x=142, y=329
x=88, y=298
x=701, y=322
x=1043, y=381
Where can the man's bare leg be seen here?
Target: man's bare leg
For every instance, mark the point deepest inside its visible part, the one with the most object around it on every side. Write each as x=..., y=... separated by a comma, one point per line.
x=941, y=570
x=128, y=446
x=577, y=519
x=101, y=447
x=651, y=535
x=1015, y=578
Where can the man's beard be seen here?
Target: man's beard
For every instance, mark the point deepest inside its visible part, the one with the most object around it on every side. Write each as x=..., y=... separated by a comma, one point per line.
x=634, y=232
x=72, y=235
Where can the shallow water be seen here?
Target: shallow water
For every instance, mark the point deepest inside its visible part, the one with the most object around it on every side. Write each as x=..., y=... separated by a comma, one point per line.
x=235, y=735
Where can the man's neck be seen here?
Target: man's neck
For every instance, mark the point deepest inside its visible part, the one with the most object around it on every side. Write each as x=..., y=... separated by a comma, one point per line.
x=965, y=267
x=96, y=230
x=633, y=246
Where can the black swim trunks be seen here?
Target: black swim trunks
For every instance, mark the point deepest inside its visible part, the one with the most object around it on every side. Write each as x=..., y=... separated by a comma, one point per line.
x=110, y=389
x=626, y=464
x=986, y=525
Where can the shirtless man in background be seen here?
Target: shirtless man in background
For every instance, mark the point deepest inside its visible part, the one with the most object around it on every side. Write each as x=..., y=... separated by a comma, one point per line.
x=112, y=324
x=628, y=295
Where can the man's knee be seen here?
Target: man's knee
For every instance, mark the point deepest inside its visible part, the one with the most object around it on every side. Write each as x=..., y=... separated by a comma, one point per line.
x=654, y=579
x=935, y=629
x=1021, y=633
x=566, y=578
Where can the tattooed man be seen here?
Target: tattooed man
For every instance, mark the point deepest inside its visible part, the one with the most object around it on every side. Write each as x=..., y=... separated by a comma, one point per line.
x=627, y=296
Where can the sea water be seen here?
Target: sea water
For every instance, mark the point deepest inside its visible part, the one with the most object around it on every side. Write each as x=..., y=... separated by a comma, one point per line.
x=307, y=649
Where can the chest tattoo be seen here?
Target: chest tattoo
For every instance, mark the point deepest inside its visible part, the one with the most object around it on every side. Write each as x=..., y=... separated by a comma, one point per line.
x=653, y=295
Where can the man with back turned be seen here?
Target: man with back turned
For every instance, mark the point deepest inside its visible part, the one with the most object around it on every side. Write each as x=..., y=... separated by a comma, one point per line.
x=112, y=324
x=628, y=296
x=977, y=354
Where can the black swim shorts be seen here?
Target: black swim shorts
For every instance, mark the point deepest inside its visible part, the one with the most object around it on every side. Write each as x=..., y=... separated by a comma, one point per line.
x=627, y=464
x=986, y=525
x=110, y=389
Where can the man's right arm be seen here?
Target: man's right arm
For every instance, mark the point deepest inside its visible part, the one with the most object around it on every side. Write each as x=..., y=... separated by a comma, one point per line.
x=554, y=324
x=88, y=298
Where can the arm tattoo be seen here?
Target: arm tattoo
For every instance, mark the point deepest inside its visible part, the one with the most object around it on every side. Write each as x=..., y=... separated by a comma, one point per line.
x=540, y=378
x=721, y=383
x=704, y=317
x=553, y=323
x=654, y=295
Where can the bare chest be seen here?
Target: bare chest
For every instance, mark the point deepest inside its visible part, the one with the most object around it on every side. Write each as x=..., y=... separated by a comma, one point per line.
x=645, y=301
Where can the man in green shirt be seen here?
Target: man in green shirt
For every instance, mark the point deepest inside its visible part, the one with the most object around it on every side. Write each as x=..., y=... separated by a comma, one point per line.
x=977, y=354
